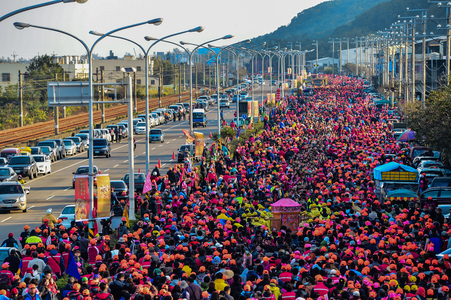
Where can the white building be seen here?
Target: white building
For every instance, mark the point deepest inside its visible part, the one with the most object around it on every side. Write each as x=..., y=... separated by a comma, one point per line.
x=323, y=62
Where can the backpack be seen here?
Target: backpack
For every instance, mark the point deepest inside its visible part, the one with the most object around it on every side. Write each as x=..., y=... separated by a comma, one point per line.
x=73, y=295
x=4, y=278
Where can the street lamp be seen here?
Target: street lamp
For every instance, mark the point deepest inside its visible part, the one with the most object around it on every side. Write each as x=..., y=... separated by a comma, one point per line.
x=146, y=58
x=89, y=51
x=38, y=6
x=190, y=56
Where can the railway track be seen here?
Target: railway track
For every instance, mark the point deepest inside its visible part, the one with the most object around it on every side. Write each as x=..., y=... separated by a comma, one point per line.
x=39, y=130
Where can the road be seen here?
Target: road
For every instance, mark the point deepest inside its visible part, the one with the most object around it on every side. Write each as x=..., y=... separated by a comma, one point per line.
x=55, y=190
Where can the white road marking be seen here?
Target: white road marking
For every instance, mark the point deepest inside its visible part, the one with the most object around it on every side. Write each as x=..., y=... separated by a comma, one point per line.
x=173, y=139
x=144, y=152
x=116, y=166
x=163, y=165
x=161, y=145
x=106, y=170
x=136, y=156
x=125, y=160
x=30, y=207
x=50, y=197
x=171, y=160
x=153, y=148
x=5, y=219
x=68, y=188
x=167, y=143
x=77, y=163
x=180, y=137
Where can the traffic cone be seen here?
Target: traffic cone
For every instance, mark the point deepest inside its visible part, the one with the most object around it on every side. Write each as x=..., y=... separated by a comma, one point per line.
x=173, y=155
x=159, y=164
x=139, y=170
x=210, y=134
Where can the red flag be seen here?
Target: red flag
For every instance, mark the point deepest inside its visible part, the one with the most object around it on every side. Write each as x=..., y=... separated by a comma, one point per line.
x=159, y=164
x=95, y=228
x=250, y=126
x=182, y=177
x=173, y=155
x=139, y=170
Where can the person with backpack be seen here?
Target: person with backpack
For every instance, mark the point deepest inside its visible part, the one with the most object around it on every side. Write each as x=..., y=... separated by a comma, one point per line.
x=75, y=293
x=116, y=287
x=6, y=276
x=55, y=260
x=10, y=241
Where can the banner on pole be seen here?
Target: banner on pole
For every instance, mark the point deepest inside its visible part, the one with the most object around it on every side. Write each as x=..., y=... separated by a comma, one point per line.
x=82, y=201
x=103, y=204
x=189, y=138
x=199, y=142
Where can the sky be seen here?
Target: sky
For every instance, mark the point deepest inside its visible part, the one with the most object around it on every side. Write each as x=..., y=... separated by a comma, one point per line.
x=242, y=18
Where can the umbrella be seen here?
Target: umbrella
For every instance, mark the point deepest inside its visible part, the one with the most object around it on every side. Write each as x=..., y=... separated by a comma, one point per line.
x=406, y=136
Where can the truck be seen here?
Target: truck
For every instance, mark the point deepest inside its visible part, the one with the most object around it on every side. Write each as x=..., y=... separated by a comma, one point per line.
x=394, y=176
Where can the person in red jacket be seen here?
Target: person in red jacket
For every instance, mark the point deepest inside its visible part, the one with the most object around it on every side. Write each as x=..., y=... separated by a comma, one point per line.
x=66, y=254
x=25, y=261
x=75, y=293
x=103, y=295
x=95, y=248
x=289, y=294
x=286, y=275
x=55, y=260
x=320, y=288
x=6, y=276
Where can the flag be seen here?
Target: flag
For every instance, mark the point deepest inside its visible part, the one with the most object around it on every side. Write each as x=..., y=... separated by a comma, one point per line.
x=159, y=164
x=250, y=126
x=210, y=134
x=181, y=177
x=238, y=132
x=147, y=184
x=189, y=138
x=173, y=155
x=72, y=268
x=95, y=227
x=125, y=215
x=139, y=170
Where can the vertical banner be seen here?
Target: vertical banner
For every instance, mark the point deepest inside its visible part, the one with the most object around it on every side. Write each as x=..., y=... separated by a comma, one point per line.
x=103, y=204
x=82, y=201
x=268, y=98
x=199, y=142
x=256, y=109
x=249, y=109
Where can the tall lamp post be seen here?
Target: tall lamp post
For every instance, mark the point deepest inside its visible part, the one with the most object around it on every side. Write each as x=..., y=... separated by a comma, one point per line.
x=190, y=57
x=24, y=9
x=89, y=51
x=146, y=68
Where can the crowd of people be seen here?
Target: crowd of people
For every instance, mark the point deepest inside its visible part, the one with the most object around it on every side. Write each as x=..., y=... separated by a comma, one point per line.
x=207, y=232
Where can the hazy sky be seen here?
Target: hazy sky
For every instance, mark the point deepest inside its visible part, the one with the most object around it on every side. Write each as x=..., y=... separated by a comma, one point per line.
x=242, y=18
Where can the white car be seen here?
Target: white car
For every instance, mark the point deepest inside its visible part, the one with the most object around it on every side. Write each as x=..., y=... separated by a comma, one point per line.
x=156, y=117
x=67, y=215
x=140, y=128
x=43, y=163
x=106, y=134
x=71, y=147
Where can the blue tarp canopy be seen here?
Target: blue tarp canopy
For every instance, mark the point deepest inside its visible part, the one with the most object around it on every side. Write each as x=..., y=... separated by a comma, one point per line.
x=391, y=166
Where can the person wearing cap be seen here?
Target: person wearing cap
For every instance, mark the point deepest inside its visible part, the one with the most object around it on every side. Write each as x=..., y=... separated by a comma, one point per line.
x=24, y=235
x=32, y=293
x=13, y=260
x=10, y=241
x=51, y=220
x=103, y=294
x=37, y=261
x=75, y=294
x=6, y=276
x=33, y=239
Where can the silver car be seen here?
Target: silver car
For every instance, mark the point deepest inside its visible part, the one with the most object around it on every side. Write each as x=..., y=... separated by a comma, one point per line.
x=13, y=196
x=71, y=147
x=156, y=117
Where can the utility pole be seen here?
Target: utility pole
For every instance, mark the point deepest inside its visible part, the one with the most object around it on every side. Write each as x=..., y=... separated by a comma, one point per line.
x=406, y=63
x=333, y=55
x=413, y=61
x=401, y=46
x=356, y=57
x=64, y=108
x=160, y=81
x=392, y=100
x=196, y=79
x=209, y=80
x=20, y=99
x=56, y=112
x=180, y=83
x=175, y=80
x=184, y=81
x=102, y=93
x=98, y=96
x=315, y=43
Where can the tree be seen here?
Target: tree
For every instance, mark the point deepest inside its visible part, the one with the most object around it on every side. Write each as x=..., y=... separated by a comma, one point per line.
x=41, y=70
x=433, y=123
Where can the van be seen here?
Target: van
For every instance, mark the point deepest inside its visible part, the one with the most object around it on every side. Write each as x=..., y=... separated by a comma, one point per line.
x=199, y=117
x=9, y=152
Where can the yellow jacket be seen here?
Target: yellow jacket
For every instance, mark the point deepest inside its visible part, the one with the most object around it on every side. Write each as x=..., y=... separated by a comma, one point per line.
x=51, y=220
x=220, y=284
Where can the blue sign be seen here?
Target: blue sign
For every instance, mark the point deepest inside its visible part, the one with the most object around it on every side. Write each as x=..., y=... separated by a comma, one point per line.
x=244, y=117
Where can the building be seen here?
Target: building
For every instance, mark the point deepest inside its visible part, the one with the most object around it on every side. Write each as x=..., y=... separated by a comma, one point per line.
x=322, y=63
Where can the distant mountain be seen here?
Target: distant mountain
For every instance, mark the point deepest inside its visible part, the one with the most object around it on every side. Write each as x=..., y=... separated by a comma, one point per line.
x=347, y=18
x=316, y=22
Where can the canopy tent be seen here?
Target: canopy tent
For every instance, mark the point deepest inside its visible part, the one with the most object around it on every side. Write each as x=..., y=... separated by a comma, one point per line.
x=392, y=167
x=286, y=212
x=286, y=202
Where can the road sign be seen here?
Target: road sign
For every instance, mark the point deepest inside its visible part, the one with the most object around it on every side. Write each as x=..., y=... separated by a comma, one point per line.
x=244, y=116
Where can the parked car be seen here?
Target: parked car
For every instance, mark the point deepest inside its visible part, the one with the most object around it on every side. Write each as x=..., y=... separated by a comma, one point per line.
x=43, y=163
x=186, y=106
x=61, y=147
x=151, y=120
x=6, y=251
x=24, y=165
x=156, y=135
x=9, y=152
x=157, y=118
x=124, y=127
x=78, y=143
x=13, y=196
x=84, y=170
x=441, y=182
x=106, y=134
x=71, y=147
x=139, y=179
x=7, y=174
x=140, y=128
x=84, y=138
x=417, y=160
x=160, y=115
x=120, y=189
x=177, y=110
x=67, y=215
x=224, y=103
x=101, y=147
x=46, y=150
x=36, y=150
x=3, y=162
x=53, y=145
x=95, y=133
x=437, y=195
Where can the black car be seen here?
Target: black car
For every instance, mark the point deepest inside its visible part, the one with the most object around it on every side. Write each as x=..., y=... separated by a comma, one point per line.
x=61, y=146
x=77, y=140
x=139, y=180
x=101, y=147
x=46, y=150
x=24, y=165
x=120, y=189
x=7, y=174
x=3, y=162
x=183, y=152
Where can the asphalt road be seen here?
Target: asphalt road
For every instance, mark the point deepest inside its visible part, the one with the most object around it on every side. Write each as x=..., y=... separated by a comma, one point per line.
x=55, y=190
